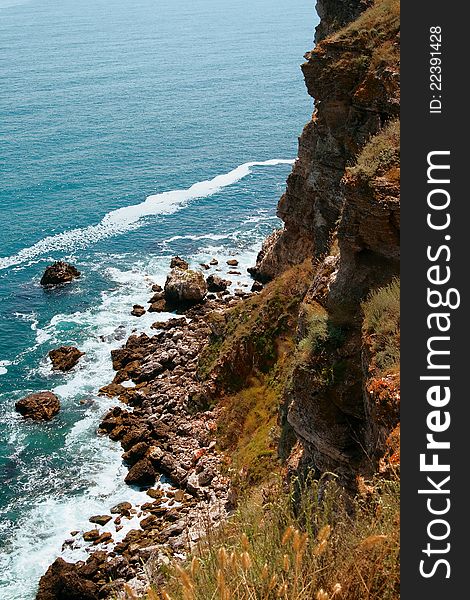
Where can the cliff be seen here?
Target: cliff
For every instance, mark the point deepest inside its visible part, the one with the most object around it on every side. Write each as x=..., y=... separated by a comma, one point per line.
x=341, y=210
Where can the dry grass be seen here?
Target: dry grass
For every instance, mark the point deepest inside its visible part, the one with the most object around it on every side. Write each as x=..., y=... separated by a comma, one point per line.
x=380, y=155
x=382, y=326
x=378, y=22
x=312, y=542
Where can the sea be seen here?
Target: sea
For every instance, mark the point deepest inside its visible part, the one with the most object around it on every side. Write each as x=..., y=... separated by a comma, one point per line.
x=130, y=132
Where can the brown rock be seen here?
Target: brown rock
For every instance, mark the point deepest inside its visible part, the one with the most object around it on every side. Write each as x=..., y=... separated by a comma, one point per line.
x=159, y=306
x=58, y=273
x=232, y=262
x=216, y=283
x=65, y=357
x=178, y=262
x=142, y=473
x=121, y=508
x=104, y=538
x=63, y=581
x=39, y=407
x=137, y=310
x=184, y=287
x=91, y=536
x=100, y=519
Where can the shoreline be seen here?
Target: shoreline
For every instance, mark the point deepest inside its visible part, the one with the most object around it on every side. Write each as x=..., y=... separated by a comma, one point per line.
x=169, y=446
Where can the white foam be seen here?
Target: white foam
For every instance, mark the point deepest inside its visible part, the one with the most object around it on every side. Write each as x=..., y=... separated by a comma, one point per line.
x=129, y=217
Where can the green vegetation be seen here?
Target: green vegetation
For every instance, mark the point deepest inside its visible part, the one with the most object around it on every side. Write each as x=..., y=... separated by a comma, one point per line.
x=381, y=155
x=303, y=542
x=382, y=326
x=250, y=339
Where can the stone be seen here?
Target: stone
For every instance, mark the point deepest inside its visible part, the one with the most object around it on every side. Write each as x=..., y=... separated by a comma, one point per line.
x=100, y=519
x=104, y=538
x=65, y=357
x=184, y=287
x=257, y=286
x=216, y=283
x=159, y=306
x=42, y=406
x=178, y=262
x=137, y=310
x=63, y=581
x=121, y=508
x=214, y=262
x=92, y=535
x=58, y=273
x=157, y=288
x=141, y=473
x=232, y=262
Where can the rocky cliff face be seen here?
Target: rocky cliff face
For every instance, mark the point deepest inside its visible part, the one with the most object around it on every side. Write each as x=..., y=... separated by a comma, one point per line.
x=341, y=209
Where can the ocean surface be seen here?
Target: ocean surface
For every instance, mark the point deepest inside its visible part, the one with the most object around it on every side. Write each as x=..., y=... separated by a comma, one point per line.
x=129, y=132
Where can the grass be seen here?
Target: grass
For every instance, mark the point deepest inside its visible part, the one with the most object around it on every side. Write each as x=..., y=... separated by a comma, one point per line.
x=382, y=326
x=381, y=155
x=301, y=542
x=247, y=340
x=377, y=23
x=248, y=432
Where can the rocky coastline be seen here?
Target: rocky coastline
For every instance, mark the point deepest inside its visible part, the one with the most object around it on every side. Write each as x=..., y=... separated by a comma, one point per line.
x=166, y=424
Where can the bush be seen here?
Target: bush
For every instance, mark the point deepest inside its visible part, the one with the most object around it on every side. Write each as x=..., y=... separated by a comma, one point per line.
x=382, y=325
x=380, y=155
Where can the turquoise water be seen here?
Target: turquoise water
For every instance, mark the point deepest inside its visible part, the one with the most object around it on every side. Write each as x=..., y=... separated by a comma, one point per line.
x=111, y=112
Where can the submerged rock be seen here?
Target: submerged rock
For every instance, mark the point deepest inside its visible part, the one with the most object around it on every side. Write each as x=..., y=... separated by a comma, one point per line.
x=58, y=273
x=65, y=357
x=39, y=407
x=185, y=287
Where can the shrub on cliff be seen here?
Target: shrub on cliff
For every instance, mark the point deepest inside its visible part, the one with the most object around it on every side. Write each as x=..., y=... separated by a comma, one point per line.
x=382, y=325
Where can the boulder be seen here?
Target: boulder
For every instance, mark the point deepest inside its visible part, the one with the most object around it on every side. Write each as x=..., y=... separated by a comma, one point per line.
x=137, y=310
x=100, y=519
x=63, y=581
x=257, y=286
x=178, y=262
x=65, y=357
x=185, y=287
x=232, y=262
x=39, y=407
x=122, y=508
x=214, y=262
x=58, y=273
x=216, y=283
x=142, y=473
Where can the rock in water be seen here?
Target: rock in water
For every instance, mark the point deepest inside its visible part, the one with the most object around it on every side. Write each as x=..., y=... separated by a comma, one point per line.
x=39, y=407
x=63, y=581
x=142, y=473
x=65, y=357
x=185, y=287
x=58, y=273
x=137, y=310
x=177, y=261
x=216, y=283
